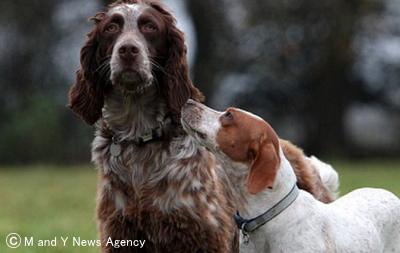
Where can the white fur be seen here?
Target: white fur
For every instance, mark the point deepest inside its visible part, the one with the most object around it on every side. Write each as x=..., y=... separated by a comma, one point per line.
x=365, y=220
x=209, y=124
x=131, y=35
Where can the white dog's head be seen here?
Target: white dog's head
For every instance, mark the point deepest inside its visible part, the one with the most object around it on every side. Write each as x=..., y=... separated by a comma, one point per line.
x=238, y=138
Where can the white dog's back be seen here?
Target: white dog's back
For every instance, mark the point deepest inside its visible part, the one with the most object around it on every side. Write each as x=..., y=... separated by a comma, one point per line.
x=377, y=210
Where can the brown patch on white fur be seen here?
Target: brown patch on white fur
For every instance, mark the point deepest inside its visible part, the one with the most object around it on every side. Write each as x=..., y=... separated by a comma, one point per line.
x=240, y=138
x=258, y=147
x=264, y=167
x=256, y=142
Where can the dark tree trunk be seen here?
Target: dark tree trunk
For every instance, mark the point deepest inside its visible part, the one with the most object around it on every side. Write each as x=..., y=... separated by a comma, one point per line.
x=331, y=90
x=213, y=36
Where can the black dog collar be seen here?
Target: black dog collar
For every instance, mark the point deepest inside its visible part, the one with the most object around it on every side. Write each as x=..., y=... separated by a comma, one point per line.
x=249, y=225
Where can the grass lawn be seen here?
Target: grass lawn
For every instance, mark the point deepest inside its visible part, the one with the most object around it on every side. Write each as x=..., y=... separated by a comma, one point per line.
x=379, y=174
x=47, y=202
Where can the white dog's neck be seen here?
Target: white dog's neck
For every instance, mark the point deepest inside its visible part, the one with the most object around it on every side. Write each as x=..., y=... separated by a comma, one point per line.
x=259, y=203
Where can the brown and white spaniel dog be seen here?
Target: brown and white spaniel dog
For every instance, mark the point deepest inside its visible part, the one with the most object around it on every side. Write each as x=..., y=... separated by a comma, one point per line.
x=156, y=183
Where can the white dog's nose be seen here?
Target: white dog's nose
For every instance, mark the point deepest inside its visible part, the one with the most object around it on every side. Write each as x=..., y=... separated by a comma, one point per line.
x=190, y=102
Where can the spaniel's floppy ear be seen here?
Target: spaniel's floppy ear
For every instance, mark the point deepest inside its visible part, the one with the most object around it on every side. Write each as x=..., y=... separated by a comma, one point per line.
x=265, y=165
x=86, y=96
x=178, y=86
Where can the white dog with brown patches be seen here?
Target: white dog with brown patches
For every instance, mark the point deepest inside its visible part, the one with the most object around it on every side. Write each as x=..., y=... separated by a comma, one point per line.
x=278, y=216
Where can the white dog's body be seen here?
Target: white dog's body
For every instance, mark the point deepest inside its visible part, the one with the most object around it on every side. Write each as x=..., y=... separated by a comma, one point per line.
x=365, y=220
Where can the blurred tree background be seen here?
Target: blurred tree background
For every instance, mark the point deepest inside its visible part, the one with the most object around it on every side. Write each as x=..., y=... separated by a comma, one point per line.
x=324, y=73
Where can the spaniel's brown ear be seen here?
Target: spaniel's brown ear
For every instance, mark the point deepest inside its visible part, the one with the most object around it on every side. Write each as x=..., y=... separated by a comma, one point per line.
x=86, y=96
x=178, y=86
x=264, y=167
x=86, y=99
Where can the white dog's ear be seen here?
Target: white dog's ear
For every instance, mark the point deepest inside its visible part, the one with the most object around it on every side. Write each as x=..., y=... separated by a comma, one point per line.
x=264, y=167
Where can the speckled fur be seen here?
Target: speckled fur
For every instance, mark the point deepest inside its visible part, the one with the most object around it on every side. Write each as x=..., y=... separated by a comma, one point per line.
x=169, y=193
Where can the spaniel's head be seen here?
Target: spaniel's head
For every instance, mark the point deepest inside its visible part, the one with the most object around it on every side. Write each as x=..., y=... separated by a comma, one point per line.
x=135, y=44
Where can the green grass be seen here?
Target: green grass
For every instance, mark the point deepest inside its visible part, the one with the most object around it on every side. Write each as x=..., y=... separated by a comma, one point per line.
x=45, y=202
x=379, y=174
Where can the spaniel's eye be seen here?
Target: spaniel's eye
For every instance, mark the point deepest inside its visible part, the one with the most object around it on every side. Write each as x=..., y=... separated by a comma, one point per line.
x=112, y=28
x=149, y=27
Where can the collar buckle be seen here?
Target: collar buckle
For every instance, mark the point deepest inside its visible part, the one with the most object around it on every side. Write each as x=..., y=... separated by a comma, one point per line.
x=115, y=139
x=246, y=237
x=147, y=137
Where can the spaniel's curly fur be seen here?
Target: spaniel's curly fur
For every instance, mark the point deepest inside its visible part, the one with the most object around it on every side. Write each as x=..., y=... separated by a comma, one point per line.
x=170, y=192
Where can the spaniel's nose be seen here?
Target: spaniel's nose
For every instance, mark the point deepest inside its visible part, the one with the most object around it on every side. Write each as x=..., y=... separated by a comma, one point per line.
x=128, y=52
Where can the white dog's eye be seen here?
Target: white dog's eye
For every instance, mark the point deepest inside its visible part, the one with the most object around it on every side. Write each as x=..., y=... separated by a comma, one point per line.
x=228, y=115
x=226, y=119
